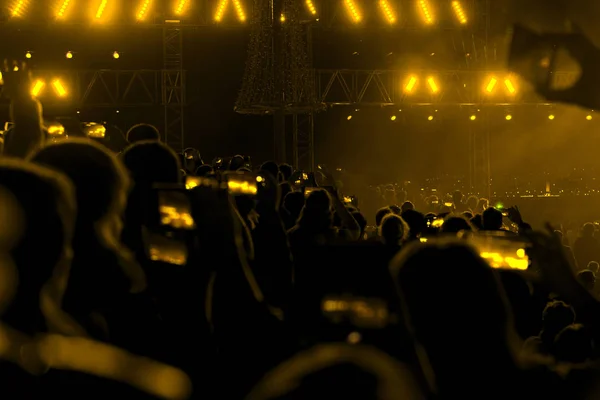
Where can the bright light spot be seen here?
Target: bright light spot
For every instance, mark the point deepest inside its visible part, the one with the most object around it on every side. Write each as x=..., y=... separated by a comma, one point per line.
x=56, y=129
x=101, y=8
x=311, y=7
x=64, y=5
x=37, y=88
x=551, y=117
x=459, y=13
x=508, y=117
x=412, y=82
x=180, y=8
x=430, y=118
x=426, y=12
x=59, y=88
x=282, y=18
x=221, y=10
x=69, y=55
x=393, y=118
x=116, y=55
x=28, y=54
x=589, y=117
x=143, y=10
x=432, y=85
x=353, y=11
x=349, y=117
x=473, y=117
x=521, y=253
x=18, y=9
x=239, y=10
x=387, y=10
x=509, y=85
x=491, y=85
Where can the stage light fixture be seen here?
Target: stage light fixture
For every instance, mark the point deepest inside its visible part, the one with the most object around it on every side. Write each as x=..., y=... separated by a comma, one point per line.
x=388, y=11
x=28, y=55
x=221, y=10
x=311, y=7
x=19, y=8
x=101, y=8
x=59, y=88
x=551, y=117
x=410, y=85
x=353, y=11
x=491, y=85
x=37, y=88
x=588, y=117
x=69, y=55
x=459, y=12
x=432, y=85
x=426, y=11
x=473, y=117
x=510, y=86
x=239, y=10
x=180, y=7
x=349, y=117
x=393, y=118
x=143, y=10
x=62, y=9
x=430, y=118
x=282, y=18
x=508, y=117
x=116, y=55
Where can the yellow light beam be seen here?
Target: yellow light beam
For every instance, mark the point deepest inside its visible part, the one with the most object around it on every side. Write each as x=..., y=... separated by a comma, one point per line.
x=59, y=88
x=239, y=10
x=353, y=11
x=311, y=7
x=101, y=8
x=18, y=8
x=143, y=10
x=412, y=82
x=459, y=12
x=432, y=85
x=426, y=12
x=37, y=88
x=180, y=7
x=509, y=85
x=491, y=85
x=62, y=10
x=388, y=11
x=221, y=10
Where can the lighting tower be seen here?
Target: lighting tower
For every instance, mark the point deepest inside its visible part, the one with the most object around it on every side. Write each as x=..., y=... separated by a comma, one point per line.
x=279, y=79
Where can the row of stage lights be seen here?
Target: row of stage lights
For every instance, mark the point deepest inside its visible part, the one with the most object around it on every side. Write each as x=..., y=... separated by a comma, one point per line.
x=388, y=9
x=473, y=117
x=490, y=86
x=69, y=55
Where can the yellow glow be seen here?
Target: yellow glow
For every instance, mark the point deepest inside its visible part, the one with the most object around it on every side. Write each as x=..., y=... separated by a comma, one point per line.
x=426, y=12
x=388, y=11
x=101, y=8
x=459, y=12
x=242, y=187
x=116, y=55
x=221, y=10
x=28, y=54
x=491, y=85
x=353, y=11
x=412, y=82
x=62, y=10
x=349, y=117
x=589, y=117
x=18, y=8
x=432, y=85
x=311, y=7
x=551, y=117
x=191, y=182
x=473, y=117
x=393, y=117
x=509, y=85
x=59, y=88
x=143, y=10
x=496, y=260
x=56, y=130
x=180, y=7
x=38, y=86
x=95, y=130
x=282, y=18
x=171, y=216
x=239, y=10
x=430, y=118
x=508, y=117
x=521, y=253
x=69, y=54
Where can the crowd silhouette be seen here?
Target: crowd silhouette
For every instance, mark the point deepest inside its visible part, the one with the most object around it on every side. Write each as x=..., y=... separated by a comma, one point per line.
x=152, y=274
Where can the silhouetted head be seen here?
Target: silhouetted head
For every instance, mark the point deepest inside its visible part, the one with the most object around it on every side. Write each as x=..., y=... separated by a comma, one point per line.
x=293, y=203
x=272, y=168
x=574, y=344
x=317, y=213
x=286, y=171
x=150, y=162
x=361, y=220
x=492, y=219
x=457, y=197
x=556, y=316
x=205, y=170
x=395, y=209
x=285, y=189
x=407, y=205
x=472, y=202
x=587, y=279
x=477, y=221
x=593, y=266
x=236, y=163
x=381, y=213
x=140, y=132
x=468, y=215
x=482, y=205
x=588, y=230
x=416, y=222
x=455, y=224
x=393, y=230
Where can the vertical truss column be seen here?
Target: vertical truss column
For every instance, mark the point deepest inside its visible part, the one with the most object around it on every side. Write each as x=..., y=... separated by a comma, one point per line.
x=303, y=129
x=173, y=86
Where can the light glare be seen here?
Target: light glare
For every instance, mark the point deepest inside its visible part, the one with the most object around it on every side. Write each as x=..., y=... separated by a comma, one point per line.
x=311, y=7
x=473, y=117
x=412, y=82
x=116, y=55
x=491, y=85
x=426, y=12
x=101, y=8
x=589, y=117
x=353, y=11
x=393, y=118
x=508, y=117
x=28, y=54
x=432, y=85
x=239, y=10
x=37, y=88
x=18, y=9
x=143, y=10
x=180, y=7
x=59, y=88
x=551, y=117
x=459, y=12
x=69, y=55
x=64, y=5
x=387, y=10
x=509, y=85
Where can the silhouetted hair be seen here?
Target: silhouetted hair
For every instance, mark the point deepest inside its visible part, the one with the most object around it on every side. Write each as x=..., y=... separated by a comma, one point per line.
x=204, y=170
x=381, y=213
x=588, y=230
x=407, y=206
x=557, y=315
x=468, y=215
x=293, y=203
x=316, y=214
x=416, y=222
x=593, y=266
x=361, y=220
x=472, y=202
x=272, y=168
x=477, y=221
x=152, y=162
x=574, y=344
x=492, y=219
x=236, y=163
x=455, y=224
x=393, y=230
x=141, y=132
x=482, y=204
x=286, y=170
x=395, y=209
x=587, y=278
x=457, y=197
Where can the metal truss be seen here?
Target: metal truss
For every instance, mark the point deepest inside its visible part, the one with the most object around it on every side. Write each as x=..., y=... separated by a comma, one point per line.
x=173, y=87
x=303, y=130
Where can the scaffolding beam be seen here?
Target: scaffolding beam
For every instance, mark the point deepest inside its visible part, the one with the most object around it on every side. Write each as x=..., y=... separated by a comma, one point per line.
x=173, y=87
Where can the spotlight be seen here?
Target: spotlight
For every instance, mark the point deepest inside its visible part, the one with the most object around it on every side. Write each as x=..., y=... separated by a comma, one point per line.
x=430, y=118
x=551, y=117
x=69, y=55
x=116, y=55
x=349, y=117
x=508, y=117
x=393, y=118
x=28, y=54
x=588, y=117
x=473, y=117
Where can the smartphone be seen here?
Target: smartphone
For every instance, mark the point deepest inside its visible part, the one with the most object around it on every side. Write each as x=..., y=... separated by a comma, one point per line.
x=370, y=313
x=448, y=204
x=502, y=250
x=437, y=222
x=165, y=248
x=239, y=183
x=175, y=209
x=348, y=199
